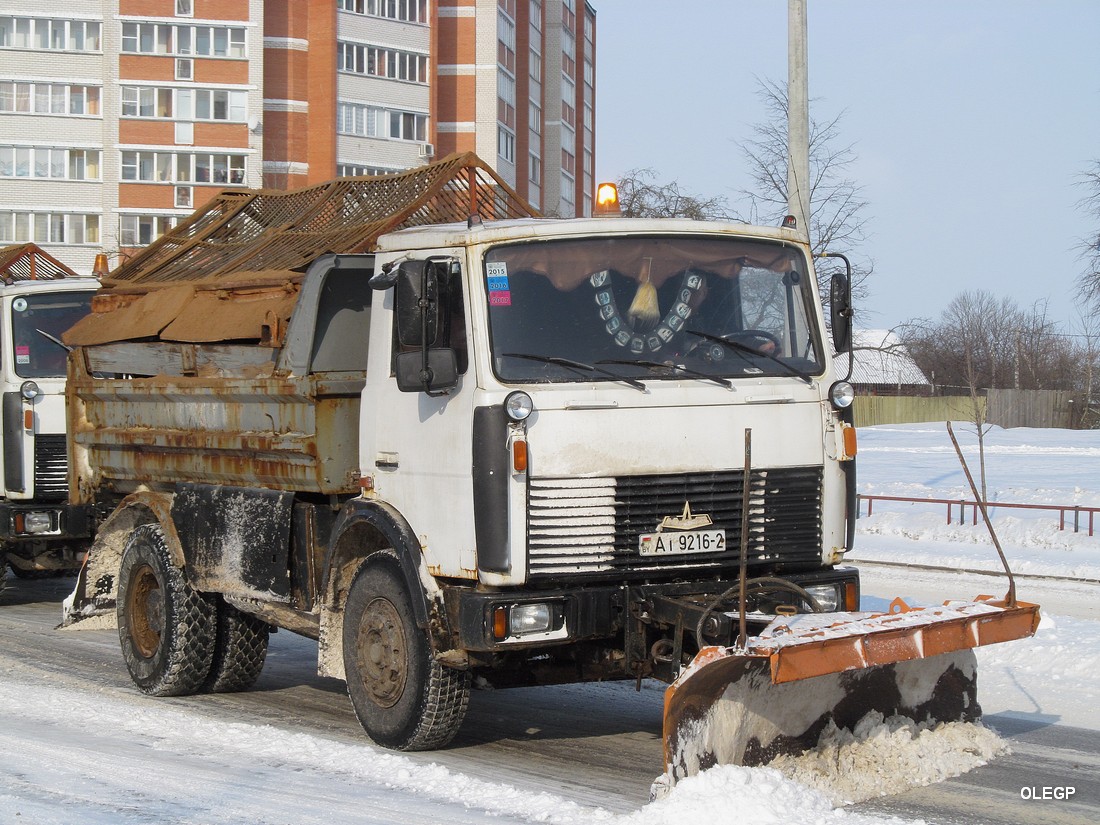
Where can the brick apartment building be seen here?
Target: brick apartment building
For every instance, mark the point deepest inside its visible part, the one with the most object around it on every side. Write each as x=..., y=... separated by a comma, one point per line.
x=119, y=117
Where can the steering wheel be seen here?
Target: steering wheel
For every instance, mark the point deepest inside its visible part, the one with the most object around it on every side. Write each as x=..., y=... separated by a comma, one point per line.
x=752, y=340
x=760, y=340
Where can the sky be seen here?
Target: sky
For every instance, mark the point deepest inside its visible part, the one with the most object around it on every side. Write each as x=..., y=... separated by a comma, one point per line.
x=971, y=122
x=96, y=751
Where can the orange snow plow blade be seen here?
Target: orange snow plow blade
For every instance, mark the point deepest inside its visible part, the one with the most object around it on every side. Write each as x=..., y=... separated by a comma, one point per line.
x=745, y=707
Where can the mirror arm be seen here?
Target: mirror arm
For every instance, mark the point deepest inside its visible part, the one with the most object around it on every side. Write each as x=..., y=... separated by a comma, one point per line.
x=848, y=314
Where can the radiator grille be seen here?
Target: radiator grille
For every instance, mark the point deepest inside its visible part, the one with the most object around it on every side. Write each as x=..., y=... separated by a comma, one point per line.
x=592, y=526
x=51, y=472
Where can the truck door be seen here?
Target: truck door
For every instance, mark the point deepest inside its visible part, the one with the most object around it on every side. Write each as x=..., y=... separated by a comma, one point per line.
x=417, y=442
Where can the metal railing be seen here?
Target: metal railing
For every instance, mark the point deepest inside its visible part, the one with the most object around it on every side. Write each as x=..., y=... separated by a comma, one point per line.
x=1063, y=510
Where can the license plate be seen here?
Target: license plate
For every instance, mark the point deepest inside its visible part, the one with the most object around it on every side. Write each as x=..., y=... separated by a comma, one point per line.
x=678, y=542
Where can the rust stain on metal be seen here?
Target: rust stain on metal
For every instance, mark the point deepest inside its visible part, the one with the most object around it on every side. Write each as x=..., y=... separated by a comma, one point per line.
x=115, y=318
x=244, y=238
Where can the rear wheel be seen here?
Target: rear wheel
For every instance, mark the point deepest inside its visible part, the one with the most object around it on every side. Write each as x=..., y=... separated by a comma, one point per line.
x=166, y=628
x=402, y=696
x=240, y=648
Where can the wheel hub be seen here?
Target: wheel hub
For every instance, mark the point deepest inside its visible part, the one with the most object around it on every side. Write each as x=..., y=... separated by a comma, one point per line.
x=382, y=652
x=146, y=611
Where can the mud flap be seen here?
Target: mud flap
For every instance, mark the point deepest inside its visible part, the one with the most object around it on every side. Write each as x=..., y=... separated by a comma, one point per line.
x=731, y=713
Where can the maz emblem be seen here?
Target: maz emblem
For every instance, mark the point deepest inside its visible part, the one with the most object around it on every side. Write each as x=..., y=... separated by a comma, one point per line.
x=685, y=521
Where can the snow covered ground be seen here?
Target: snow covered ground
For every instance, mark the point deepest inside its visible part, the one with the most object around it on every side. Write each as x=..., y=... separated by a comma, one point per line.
x=61, y=760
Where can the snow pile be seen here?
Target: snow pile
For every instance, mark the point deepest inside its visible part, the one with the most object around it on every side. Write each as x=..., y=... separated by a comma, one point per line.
x=760, y=796
x=888, y=756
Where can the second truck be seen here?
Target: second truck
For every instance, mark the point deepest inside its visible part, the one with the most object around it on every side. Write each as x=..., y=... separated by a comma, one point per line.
x=497, y=448
x=41, y=532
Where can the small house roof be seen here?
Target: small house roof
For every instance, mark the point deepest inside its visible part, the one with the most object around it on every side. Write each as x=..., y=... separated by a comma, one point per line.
x=879, y=357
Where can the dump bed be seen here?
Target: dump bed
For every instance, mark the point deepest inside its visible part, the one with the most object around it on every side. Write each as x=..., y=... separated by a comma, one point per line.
x=293, y=433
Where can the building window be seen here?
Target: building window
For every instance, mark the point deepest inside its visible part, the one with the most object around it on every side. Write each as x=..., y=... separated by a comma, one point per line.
x=536, y=15
x=408, y=11
x=354, y=170
x=506, y=145
x=568, y=101
x=376, y=61
x=49, y=98
x=50, y=34
x=568, y=162
x=374, y=121
x=71, y=229
x=184, y=104
x=568, y=54
x=535, y=169
x=506, y=42
x=142, y=230
x=184, y=40
x=182, y=167
x=49, y=162
x=568, y=196
x=184, y=8
x=534, y=117
x=506, y=99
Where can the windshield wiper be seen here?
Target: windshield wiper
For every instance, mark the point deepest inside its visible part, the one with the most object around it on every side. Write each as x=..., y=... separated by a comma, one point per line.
x=576, y=366
x=55, y=339
x=737, y=346
x=688, y=371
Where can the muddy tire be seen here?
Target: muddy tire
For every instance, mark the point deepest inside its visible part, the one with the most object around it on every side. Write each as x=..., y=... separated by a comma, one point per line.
x=166, y=628
x=240, y=647
x=403, y=698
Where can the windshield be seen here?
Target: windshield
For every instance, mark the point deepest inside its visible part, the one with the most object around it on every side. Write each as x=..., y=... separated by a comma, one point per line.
x=37, y=322
x=650, y=308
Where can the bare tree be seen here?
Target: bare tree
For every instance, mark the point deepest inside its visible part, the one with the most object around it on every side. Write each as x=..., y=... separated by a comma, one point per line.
x=1089, y=287
x=993, y=342
x=641, y=197
x=838, y=210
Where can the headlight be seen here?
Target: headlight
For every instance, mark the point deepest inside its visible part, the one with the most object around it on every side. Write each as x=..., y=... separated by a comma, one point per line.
x=826, y=595
x=518, y=405
x=30, y=390
x=529, y=618
x=842, y=394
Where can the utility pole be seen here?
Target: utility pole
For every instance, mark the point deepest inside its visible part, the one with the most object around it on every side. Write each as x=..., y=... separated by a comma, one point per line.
x=798, y=118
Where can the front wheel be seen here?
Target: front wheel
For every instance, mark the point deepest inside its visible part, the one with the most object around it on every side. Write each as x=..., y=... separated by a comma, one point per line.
x=166, y=627
x=403, y=698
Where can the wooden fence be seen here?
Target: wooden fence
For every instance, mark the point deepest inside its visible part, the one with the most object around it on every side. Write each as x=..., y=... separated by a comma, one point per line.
x=1005, y=408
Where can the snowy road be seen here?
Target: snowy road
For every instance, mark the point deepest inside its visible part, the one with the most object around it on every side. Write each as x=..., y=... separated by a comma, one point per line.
x=589, y=752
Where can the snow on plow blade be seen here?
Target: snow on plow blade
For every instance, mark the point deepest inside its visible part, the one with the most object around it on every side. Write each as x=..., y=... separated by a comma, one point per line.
x=745, y=707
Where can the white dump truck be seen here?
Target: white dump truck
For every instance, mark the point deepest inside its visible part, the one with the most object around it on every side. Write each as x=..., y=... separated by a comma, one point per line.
x=506, y=450
x=41, y=533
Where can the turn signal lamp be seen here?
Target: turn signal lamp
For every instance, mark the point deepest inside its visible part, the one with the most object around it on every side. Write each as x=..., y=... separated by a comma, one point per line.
x=607, y=200
x=790, y=222
x=519, y=456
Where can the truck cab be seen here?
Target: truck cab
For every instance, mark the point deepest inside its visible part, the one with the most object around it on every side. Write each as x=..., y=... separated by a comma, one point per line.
x=40, y=532
x=563, y=413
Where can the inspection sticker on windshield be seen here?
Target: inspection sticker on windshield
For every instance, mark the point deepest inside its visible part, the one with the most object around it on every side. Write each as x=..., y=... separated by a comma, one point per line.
x=22, y=354
x=675, y=542
x=496, y=281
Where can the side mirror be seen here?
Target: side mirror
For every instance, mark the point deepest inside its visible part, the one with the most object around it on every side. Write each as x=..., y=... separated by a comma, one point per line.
x=417, y=304
x=434, y=371
x=840, y=311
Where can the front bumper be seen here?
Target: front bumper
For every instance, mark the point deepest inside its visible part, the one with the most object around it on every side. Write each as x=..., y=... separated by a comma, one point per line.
x=603, y=613
x=32, y=521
